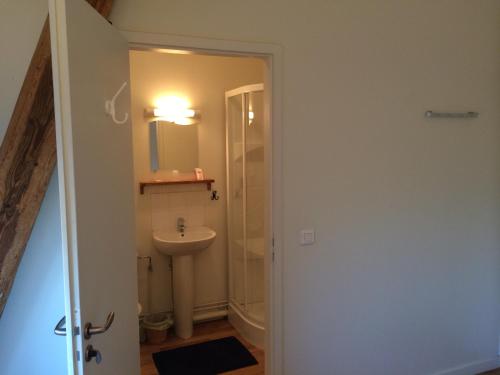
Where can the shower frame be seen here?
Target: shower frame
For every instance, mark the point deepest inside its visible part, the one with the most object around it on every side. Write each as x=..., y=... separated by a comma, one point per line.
x=255, y=331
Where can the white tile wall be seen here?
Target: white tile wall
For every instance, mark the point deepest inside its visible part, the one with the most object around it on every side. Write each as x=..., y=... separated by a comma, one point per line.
x=166, y=207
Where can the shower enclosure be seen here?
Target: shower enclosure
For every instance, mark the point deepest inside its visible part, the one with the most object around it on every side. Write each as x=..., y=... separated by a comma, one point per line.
x=246, y=182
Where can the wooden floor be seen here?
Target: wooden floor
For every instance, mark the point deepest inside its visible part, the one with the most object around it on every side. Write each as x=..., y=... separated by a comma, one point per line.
x=492, y=372
x=212, y=331
x=202, y=332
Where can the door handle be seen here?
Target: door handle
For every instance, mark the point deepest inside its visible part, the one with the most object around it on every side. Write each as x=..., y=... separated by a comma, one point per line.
x=60, y=329
x=90, y=330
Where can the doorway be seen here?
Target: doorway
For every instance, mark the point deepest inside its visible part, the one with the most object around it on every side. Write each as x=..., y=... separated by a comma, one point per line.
x=269, y=305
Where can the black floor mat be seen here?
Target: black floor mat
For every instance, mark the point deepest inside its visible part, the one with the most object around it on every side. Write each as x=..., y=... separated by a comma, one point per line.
x=208, y=358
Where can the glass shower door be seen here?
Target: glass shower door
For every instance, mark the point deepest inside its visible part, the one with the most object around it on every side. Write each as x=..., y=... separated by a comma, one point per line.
x=235, y=187
x=246, y=201
x=254, y=171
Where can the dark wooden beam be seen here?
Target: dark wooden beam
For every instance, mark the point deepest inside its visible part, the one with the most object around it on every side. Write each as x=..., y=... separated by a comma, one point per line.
x=28, y=157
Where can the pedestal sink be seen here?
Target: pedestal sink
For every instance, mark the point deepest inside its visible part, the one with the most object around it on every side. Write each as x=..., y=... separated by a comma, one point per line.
x=182, y=246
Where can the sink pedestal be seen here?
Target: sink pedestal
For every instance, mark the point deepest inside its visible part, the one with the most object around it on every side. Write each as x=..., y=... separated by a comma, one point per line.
x=183, y=295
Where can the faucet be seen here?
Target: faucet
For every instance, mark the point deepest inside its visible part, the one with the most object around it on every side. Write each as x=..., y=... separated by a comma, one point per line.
x=180, y=225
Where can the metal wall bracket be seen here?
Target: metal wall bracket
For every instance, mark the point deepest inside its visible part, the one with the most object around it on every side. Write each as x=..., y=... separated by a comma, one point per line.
x=432, y=114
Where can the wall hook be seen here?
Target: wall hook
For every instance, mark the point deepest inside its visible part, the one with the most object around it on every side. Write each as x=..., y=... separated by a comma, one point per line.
x=214, y=196
x=110, y=109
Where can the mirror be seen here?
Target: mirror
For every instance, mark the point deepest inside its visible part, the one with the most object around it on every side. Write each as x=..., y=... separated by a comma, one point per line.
x=173, y=147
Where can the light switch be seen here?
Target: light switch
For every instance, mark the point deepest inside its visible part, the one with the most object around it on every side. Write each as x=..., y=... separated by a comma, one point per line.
x=307, y=237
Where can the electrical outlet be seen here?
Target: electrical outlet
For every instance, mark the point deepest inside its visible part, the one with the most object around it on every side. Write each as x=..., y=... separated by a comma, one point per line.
x=307, y=237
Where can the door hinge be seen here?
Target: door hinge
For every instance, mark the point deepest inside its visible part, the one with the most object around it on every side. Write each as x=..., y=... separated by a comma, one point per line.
x=78, y=355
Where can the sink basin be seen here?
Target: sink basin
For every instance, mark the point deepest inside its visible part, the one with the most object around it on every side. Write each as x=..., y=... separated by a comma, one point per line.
x=192, y=241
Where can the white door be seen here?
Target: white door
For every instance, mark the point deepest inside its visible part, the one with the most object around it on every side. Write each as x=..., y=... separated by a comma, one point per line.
x=90, y=64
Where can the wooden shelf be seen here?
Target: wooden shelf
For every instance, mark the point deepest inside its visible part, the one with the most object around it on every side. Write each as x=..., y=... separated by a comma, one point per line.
x=142, y=185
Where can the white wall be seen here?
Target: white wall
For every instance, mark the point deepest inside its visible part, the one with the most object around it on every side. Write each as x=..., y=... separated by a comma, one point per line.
x=203, y=80
x=17, y=45
x=36, y=302
x=404, y=277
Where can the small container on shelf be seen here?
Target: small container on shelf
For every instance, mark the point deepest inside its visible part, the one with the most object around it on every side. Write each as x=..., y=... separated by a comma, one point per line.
x=198, y=173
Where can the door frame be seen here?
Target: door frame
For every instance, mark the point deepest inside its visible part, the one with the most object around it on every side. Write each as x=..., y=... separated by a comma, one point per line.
x=272, y=55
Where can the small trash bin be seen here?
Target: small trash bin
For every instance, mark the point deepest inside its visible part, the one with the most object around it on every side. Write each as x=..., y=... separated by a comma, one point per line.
x=156, y=327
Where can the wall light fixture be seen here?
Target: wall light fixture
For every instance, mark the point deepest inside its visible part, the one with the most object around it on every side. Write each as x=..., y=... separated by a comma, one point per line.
x=172, y=109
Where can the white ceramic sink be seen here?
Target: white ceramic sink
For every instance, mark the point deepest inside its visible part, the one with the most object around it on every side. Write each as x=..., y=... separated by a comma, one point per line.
x=182, y=247
x=192, y=241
